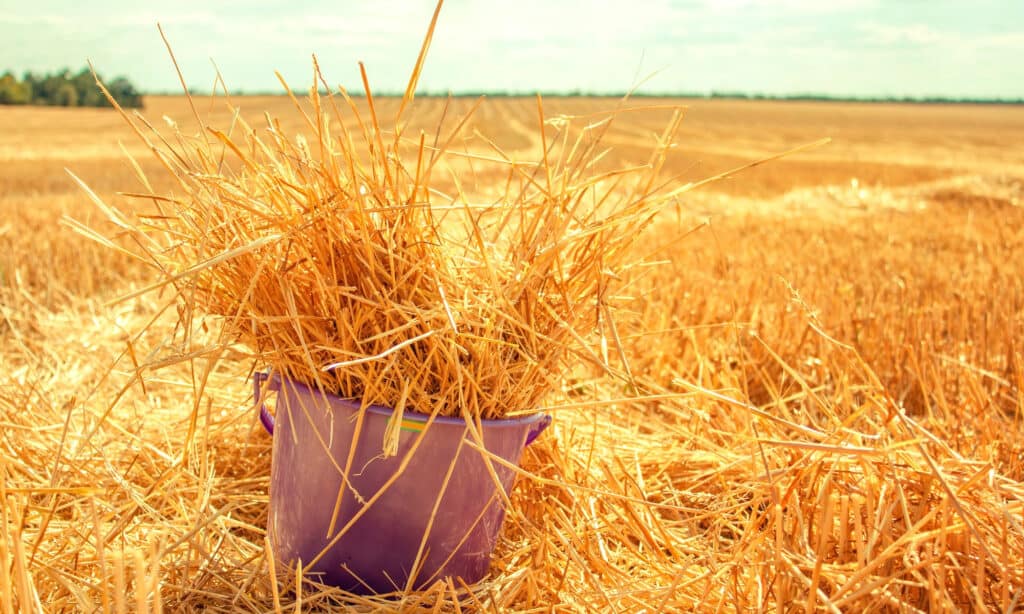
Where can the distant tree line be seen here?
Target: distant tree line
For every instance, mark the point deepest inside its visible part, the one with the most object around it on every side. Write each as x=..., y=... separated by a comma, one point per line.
x=66, y=89
x=714, y=94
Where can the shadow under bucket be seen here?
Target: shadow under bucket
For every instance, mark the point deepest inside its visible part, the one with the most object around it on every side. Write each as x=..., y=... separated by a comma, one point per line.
x=385, y=528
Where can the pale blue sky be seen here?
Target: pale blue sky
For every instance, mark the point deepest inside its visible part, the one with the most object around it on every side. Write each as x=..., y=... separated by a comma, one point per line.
x=839, y=47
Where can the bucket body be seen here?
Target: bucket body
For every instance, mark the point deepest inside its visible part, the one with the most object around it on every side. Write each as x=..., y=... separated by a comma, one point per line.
x=432, y=510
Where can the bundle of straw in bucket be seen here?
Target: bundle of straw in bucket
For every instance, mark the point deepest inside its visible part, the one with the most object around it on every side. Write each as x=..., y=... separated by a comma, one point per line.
x=353, y=260
x=337, y=262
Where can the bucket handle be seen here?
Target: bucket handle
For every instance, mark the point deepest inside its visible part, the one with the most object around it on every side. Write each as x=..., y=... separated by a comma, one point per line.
x=266, y=418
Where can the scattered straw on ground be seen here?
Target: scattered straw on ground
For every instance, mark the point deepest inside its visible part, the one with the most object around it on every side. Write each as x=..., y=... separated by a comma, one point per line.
x=790, y=475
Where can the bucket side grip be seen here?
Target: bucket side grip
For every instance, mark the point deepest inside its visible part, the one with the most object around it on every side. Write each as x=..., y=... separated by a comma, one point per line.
x=538, y=428
x=258, y=380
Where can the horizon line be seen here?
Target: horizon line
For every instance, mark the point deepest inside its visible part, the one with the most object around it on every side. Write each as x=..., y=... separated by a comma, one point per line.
x=579, y=93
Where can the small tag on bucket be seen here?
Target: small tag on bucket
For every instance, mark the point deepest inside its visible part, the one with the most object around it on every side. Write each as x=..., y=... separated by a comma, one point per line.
x=413, y=426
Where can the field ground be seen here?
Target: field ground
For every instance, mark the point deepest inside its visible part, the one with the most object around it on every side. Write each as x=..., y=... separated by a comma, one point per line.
x=840, y=350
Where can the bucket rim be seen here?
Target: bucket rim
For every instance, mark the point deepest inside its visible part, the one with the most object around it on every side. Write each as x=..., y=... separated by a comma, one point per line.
x=276, y=379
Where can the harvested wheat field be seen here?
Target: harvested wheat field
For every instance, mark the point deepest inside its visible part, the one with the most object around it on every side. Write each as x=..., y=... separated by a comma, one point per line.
x=810, y=397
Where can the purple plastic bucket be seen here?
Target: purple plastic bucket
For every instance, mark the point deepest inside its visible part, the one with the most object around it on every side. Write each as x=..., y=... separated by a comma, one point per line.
x=386, y=527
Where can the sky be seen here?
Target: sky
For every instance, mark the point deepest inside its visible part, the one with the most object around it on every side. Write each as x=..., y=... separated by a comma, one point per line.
x=867, y=48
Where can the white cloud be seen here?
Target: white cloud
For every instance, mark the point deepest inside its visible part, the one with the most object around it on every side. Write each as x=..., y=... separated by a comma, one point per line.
x=145, y=18
x=913, y=34
x=790, y=6
x=1012, y=42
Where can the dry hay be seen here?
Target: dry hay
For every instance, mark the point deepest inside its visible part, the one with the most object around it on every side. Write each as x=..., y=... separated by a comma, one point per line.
x=676, y=503
x=847, y=440
x=335, y=258
x=795, y=476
